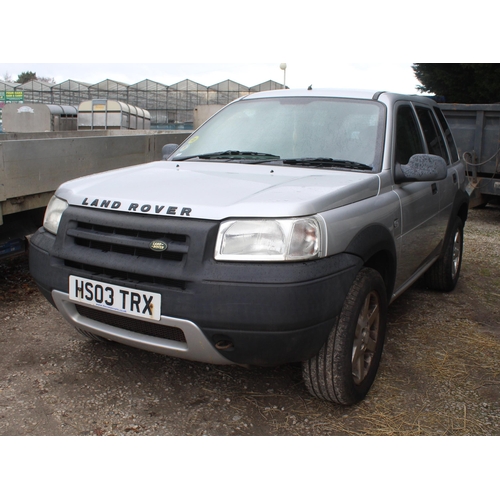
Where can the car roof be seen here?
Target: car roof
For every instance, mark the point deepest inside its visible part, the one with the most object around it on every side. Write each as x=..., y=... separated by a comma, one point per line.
x=376, y=95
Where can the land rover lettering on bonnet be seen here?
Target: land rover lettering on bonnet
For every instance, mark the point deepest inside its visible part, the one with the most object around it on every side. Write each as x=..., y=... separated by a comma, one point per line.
x=280, y=231
x=136, y=207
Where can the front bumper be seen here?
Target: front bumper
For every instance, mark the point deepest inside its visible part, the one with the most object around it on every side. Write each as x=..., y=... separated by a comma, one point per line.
x=243, y=313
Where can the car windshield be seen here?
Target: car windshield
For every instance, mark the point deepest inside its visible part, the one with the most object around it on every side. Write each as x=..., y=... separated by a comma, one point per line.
x=292, y=128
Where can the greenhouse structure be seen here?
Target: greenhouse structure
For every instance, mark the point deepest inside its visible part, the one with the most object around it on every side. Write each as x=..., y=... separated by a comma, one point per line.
x=170, y=106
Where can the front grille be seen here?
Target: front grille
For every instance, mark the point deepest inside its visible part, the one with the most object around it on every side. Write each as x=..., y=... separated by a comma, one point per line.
x=133, y=325
x=126, y=276
x=115, y=246
x=131, y=242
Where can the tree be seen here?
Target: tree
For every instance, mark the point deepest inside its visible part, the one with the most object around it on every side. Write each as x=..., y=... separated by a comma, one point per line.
x=460, y=82
x=26, y=76
x=46, y=79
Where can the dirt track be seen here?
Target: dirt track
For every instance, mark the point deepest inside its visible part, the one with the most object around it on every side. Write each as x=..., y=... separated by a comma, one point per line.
x=440, y=372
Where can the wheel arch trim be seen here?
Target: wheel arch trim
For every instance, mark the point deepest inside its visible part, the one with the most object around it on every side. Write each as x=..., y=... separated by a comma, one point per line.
x=375, y=245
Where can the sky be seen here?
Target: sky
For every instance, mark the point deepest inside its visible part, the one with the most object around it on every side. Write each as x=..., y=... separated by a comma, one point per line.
x=350, y=45
x=397, y=77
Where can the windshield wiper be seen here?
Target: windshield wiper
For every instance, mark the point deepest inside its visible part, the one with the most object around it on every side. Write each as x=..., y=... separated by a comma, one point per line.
x=232, y=155
x=239, y=155
x=326, y=163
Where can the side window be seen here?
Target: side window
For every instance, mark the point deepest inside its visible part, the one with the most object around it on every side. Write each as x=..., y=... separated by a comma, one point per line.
x=408, y=137
x=448, y=135
x=432, y=133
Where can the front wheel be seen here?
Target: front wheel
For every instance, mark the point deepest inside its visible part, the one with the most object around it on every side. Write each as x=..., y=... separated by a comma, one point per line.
x=344, y=369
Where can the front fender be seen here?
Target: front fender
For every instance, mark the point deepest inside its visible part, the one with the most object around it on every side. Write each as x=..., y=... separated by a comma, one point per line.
x=375, y=245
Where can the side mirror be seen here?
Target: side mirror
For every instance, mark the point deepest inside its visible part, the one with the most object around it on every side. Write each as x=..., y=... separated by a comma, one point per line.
x=420, y=168
x=167, y=150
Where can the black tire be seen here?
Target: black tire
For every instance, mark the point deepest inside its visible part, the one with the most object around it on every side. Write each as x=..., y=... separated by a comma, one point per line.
x=344, y=369
x=443, y=275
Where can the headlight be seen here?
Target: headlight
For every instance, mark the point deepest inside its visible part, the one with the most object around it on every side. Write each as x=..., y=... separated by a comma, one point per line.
x=53, y=214
x=269, y=239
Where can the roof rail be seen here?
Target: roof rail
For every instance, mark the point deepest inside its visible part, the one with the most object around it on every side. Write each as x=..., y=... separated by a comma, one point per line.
x=377, y=95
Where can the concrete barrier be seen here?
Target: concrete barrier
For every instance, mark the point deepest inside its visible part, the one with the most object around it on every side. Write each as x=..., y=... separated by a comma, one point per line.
x=32, y=169
x=32, y=166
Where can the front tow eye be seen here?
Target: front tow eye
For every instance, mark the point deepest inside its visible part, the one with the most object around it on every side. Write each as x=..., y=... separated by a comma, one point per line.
x=224, y=345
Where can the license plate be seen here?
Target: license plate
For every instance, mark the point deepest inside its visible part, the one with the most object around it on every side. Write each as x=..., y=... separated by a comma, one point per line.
x=146, y=305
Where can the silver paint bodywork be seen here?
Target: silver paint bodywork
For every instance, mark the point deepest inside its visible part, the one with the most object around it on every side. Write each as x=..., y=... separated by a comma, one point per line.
x=414, y=214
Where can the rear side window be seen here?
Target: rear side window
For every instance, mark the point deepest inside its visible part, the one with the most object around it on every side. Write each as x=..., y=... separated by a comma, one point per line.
x=432, y=133
x=448, y=135
x=408, y=138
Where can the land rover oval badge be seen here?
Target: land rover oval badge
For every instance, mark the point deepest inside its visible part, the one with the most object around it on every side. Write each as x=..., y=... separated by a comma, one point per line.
x=158, y=246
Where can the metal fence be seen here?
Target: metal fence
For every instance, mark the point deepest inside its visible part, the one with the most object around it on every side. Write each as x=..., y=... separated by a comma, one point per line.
x=170, y=106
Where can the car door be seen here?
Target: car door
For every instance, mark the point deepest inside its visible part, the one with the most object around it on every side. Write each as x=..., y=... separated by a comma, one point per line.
x=437, y=145
x=420, y=227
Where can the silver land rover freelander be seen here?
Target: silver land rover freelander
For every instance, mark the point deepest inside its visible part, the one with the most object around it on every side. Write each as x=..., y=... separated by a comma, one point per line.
x=278, y=232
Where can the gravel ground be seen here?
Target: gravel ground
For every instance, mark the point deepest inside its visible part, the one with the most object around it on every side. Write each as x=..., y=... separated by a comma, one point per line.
x=439, y=373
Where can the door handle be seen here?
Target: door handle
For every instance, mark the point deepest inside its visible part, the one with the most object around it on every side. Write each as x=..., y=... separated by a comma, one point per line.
x=434, y=188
